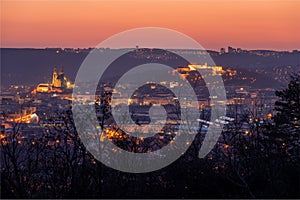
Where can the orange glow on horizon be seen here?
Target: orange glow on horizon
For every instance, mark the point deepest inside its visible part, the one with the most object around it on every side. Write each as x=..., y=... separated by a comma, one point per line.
x=266, y=24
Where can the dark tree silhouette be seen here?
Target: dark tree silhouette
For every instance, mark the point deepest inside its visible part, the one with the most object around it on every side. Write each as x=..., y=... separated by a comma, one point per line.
x=288, y=107
x=287, y=119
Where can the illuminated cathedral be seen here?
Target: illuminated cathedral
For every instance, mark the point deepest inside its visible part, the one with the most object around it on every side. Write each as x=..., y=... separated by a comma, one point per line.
x=58, y=79
x=59, y=83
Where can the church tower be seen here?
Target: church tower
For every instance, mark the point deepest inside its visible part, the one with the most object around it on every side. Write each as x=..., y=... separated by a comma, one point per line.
x=54, y=78
x=62, y=78
x=58, y=79
x=61, y=71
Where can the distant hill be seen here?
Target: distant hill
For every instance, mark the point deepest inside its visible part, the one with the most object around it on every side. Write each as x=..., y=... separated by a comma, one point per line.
x=32, y=66
x=257, y=59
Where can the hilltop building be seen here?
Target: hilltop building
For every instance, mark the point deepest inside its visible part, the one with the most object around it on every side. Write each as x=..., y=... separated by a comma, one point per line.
x=59, y=80
x=58, y=84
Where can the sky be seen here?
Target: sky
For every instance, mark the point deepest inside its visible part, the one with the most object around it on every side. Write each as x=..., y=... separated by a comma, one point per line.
x=256, y=24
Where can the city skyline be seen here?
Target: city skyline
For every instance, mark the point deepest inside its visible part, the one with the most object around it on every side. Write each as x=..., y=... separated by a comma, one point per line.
x=267, y=24
x=121, y=99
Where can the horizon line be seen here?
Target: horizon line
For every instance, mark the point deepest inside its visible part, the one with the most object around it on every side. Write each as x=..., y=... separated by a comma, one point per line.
x=226, y=48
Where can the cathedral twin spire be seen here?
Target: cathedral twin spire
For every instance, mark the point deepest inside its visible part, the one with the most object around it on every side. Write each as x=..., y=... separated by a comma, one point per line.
x=58, y=79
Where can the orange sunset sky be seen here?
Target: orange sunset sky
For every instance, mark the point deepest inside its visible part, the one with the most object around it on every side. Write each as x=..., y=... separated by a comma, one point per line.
x=264, y=24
